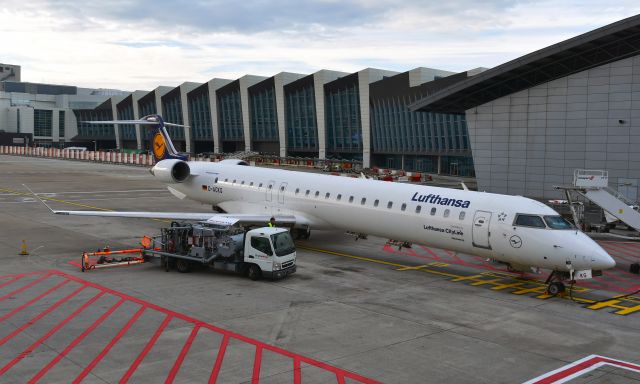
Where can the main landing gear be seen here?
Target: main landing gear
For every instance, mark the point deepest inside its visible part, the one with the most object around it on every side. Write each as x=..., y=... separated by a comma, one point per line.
x=301, y=233
x=555, y=283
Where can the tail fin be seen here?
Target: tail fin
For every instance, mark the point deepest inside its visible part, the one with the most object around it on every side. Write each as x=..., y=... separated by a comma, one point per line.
x=161, y=144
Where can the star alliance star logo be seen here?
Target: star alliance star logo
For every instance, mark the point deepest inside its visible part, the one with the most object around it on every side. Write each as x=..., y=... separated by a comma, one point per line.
x=502, y=216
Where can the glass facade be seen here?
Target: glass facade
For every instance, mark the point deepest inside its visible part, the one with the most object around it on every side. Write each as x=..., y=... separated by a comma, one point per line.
x=172, y=109
x=146, y=106
x=128, y=131
x=230, y=116
x=301, y=124
x=264, y=117
x=200, y=115
x=396, y=129
x=95, y=131
x=61, y=123
x=42, y=122
x=342, y=116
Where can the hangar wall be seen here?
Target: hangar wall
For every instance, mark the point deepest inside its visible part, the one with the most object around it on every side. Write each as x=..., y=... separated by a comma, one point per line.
x=529, y=141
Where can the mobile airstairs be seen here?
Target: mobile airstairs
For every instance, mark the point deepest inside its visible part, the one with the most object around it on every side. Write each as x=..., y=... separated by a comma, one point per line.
x=593, y=185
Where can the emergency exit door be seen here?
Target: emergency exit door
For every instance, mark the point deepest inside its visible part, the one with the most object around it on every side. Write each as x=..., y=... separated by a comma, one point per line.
x=480, y=232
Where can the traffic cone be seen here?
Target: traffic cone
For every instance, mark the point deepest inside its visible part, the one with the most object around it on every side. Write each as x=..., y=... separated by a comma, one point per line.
x=23, y=248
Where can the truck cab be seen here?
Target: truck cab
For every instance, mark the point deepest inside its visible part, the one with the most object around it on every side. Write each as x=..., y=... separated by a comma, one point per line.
x=272, y=250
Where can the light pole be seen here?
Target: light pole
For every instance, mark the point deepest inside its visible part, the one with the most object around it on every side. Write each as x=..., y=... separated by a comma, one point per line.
x=95, y=146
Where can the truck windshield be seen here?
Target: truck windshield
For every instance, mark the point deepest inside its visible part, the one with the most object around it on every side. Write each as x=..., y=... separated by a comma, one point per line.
x=282, y=243
x=557, y=222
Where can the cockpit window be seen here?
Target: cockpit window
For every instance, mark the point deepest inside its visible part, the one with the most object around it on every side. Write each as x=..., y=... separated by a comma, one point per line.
x=557, y=222
x=530, y=221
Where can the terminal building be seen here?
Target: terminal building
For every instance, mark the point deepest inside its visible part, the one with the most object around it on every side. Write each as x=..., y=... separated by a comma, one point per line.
x=520, y=128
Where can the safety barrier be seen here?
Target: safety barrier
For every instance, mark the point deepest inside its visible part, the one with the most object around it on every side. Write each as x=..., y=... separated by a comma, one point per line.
x=94, y=156
x=341, y=168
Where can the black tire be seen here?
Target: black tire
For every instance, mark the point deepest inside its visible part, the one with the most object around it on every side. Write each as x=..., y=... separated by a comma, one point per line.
x=254, y=272
x=183, y=266
x=555, y=288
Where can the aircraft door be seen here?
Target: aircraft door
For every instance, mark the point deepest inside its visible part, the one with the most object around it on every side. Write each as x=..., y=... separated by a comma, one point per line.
x=269, y=190
x=281, y=191
x=480, y=232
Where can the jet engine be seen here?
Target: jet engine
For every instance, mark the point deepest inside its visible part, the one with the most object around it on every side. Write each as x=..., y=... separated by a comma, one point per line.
x=171, y=171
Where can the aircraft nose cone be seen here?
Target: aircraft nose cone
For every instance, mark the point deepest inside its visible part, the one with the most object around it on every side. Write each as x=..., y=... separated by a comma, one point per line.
x=604, y=260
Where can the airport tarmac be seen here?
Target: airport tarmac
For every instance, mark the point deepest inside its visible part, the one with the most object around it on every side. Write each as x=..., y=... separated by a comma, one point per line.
x=356, y=311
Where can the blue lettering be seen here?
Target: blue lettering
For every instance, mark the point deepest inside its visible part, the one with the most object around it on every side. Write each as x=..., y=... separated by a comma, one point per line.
x=437, y=199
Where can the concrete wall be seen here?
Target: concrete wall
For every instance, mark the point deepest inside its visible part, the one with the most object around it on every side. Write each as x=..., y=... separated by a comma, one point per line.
x=529, y=141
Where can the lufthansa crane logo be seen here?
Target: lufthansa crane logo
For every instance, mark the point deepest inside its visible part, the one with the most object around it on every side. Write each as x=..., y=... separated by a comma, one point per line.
x=159, y=147
x=515, y=241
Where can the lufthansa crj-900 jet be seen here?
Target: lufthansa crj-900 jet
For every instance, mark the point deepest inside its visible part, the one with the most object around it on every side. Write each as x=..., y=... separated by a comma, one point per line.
x=517, y=231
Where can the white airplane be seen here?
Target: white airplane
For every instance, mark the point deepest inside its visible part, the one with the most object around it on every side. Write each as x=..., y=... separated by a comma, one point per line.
x=517, y=231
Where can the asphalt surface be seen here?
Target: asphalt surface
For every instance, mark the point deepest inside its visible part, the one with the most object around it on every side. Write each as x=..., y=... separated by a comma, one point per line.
x=356, y=311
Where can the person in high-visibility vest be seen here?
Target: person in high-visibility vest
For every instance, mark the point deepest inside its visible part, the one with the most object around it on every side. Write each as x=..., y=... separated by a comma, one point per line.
x=85, y=262
x=272, y=222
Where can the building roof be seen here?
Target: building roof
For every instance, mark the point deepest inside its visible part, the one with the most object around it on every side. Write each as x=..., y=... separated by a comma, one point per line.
x=604, y=45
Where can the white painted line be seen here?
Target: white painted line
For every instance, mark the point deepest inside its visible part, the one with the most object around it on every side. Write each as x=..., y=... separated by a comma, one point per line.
x=581, y=367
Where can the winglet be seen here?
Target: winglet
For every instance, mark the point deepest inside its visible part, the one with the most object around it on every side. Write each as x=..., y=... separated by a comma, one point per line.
x=38, y=197
x=464, y=186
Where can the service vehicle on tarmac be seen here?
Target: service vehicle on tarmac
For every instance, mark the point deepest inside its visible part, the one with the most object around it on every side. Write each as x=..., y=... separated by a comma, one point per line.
x=261, y=252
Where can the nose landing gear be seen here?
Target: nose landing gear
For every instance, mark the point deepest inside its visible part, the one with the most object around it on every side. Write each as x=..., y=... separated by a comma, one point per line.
x=555, y=283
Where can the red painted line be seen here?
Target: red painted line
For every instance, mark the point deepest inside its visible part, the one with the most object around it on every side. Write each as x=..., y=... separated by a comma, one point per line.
x=257, y=361
x=106, y=349
x=183, y=353
x=622, y=250
x=297, y=372
x=146, y=350
x=237, y=336
x=430, y=251
x=75, y=342
x=11, y=281
x=21, y=275
x=53, y=330
x=31, y=284
x=340, y=378
x=585, y=365
x=28, y=303
x=41, y=315
x=216, y=367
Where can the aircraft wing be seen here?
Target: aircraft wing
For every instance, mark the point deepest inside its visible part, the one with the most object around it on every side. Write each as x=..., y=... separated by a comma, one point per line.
x=214, y=218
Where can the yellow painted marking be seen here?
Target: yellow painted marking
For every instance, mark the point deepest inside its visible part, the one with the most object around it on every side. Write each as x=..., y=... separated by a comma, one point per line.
x=69, y=202
x=628, y=310
x=412, y=268
x=509, y=285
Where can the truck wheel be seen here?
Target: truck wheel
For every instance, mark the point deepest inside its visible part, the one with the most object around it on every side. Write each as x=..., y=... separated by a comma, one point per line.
x=254, y=272
x=182, y=266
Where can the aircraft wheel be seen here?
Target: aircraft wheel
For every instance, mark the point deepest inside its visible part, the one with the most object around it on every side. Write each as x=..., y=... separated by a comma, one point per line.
x=254, y=272
x=182, y=266
x=555, y=288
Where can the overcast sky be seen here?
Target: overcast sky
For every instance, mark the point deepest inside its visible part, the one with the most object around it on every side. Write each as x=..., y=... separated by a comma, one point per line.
x=127, y=44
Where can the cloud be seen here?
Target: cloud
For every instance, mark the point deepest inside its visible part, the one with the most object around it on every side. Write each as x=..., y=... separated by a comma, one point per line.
x=142, y=44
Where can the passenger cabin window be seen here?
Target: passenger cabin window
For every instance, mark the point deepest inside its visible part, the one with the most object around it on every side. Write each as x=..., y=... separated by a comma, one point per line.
x=529, y=221
x=461, y=216
x=339, y=197
x=351, y=199
x=389, y=205
x=418, y=209
x=376, y=202
x=403, y=207
x=234, y=181
x=251, y=184
x=282, y=188
x=216, y=180
x=447, y=212
x=557, y=222
x=270, y=186
x=326, y=196
x=363, y=201
x=226, y=180
x=433, y=211
x=307, y=193
x=317, y=193
x=297, y=190
x=242, y=182
x=260, y=186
